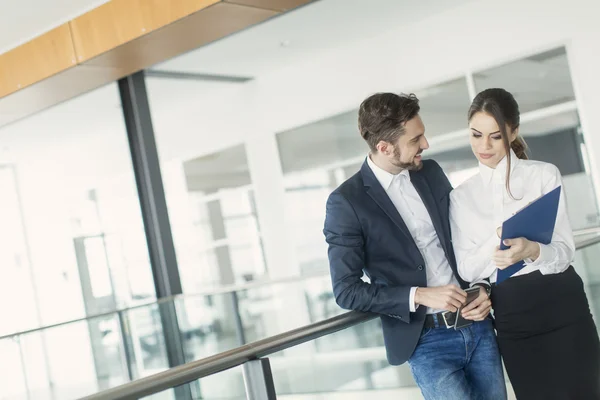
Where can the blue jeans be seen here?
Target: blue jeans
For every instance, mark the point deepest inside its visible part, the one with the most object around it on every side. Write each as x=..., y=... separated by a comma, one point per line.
x=459, y=364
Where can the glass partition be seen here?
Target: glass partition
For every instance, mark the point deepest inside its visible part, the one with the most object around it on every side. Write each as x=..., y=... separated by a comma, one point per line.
x=130, y=344
x=538, y=81
x=444, y=107
x=71, y=219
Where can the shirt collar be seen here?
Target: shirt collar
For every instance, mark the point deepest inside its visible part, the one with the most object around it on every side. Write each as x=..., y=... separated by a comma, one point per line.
x=499, y=172
x=384, y=177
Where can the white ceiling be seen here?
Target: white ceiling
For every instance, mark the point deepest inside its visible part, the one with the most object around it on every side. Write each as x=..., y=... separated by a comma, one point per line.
x=98, y=129
x=23, y=20
x=305, y=32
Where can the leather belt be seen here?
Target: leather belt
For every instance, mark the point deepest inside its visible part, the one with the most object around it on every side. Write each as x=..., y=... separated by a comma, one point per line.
x=444, y=319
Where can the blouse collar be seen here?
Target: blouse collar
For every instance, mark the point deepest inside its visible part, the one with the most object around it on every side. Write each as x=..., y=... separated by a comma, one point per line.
x=498, y=173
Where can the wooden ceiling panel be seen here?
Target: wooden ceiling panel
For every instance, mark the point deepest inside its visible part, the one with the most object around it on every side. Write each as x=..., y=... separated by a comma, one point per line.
x=38, y=59
x=61, y=87
x=184, y=35
x=187, y=34
x=114, y=40
x=278, y=5
x=121, y=21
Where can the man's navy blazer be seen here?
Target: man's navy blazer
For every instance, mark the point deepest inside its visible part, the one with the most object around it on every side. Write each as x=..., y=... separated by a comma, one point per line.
x=366, y=234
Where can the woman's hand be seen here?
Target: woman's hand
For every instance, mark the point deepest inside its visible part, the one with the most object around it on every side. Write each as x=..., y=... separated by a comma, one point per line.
x=520, y=249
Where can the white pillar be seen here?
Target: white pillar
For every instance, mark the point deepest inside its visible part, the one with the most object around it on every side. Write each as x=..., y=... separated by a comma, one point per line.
x=194, y=273
x=289, y=306
x=269, y=192
x=584, y=61
x=267, y=178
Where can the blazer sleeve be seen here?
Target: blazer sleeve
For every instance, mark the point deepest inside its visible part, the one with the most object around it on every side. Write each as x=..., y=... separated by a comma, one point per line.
x=344, y=236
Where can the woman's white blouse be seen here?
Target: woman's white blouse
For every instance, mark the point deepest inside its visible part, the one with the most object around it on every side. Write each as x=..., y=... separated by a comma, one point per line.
x=480, y=205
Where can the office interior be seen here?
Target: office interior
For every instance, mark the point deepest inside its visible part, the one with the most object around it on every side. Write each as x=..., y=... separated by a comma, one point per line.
x=250, y=134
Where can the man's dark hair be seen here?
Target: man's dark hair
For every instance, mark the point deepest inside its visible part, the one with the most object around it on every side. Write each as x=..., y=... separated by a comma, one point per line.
x=382, y=117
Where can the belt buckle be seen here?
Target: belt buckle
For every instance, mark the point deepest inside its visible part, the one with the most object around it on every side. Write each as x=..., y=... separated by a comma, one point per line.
x=446, y=321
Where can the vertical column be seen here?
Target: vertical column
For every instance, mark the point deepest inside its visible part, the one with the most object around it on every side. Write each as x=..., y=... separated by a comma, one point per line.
x=280, y=251
x=267, y=179
x=146, y=166
x=151, y=192
x=585, y=64
x=181, y=221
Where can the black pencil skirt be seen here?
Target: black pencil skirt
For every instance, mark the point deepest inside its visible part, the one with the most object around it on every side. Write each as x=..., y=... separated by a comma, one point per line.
x=547, y=336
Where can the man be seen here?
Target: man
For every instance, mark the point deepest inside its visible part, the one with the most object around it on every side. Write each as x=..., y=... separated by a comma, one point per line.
x=390, y=221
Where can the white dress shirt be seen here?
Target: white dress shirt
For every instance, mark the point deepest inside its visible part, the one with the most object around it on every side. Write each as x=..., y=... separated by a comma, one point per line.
x=481, y=204
x=404, y=196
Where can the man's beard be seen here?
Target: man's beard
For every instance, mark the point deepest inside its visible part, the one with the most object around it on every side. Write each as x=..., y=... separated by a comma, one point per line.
x=412, y=166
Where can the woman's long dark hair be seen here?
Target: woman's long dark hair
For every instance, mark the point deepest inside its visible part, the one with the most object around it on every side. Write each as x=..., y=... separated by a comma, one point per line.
x=503, y=107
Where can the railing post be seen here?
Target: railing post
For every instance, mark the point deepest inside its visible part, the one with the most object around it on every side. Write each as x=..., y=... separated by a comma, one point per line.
x=126, y=337
x=258, y=380
x=237, y=317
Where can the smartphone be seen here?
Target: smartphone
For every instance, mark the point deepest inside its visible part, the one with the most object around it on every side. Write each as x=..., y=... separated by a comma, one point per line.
x=472, y=294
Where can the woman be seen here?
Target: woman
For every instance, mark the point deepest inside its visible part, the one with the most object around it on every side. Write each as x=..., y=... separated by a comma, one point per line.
x=546, y=333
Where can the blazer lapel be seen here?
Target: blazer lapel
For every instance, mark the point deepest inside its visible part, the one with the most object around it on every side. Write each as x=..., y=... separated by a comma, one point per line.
x=423, y=189
x=378, y=194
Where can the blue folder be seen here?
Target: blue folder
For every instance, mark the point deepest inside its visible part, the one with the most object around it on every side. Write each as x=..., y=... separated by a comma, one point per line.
x=534, y=222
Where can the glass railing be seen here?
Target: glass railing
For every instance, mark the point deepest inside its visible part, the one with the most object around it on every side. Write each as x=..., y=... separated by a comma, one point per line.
x=350, y=364
x=80, y=357
x=75, y=359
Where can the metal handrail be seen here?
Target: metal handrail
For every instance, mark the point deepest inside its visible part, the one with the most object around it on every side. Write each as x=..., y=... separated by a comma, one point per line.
x=583, y=243
x=223, y=361
x=586, y=231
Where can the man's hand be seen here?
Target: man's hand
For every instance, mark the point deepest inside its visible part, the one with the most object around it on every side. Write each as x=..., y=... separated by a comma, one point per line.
x=449, y=297
x=478, y=309
x=520, y=249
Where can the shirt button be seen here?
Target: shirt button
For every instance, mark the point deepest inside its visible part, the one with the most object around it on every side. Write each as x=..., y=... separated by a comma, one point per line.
x=420, y=268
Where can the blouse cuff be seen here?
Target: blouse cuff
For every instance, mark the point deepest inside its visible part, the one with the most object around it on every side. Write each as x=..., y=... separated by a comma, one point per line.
x=546, y=256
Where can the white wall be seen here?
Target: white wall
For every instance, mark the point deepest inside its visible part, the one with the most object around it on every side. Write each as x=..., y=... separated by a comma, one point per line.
x=584, y=60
